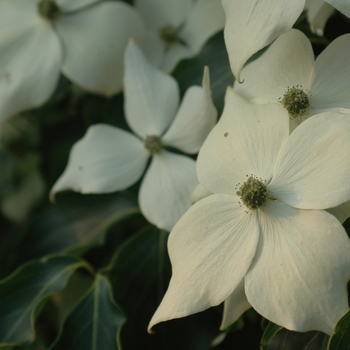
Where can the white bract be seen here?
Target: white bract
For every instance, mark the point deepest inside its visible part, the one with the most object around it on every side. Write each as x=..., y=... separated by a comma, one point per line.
x=318, y=12
x=287, y=73
x=178, y=29
x=254, y=24
x=262, y=239
x=83, y=39
x=109, y=159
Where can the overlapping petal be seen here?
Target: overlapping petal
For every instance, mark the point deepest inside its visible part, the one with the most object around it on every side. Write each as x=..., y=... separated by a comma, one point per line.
x=341, y=212
x=211, y=248
x=106, y=159
x=287, y=62
x=341, y=5
x=151, y=96
x=194, y=120
x=316, y=175
x=245, y=141
x=234, y=306
x=166, y=189
x=301, y=269
x=94, y=41
x=252, y=24
x=318, y=12
x=74, y=5
x=331, y=83
x=30, y=57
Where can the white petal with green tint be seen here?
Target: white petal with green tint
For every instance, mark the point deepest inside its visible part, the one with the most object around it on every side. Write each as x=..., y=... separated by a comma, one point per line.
x=253, y=24
x=106, y=159
x=341, y=5
x=158, y=13
x=341, y=212
x=151, y=96
x=74, y=5
x=311, y=170
x=300, y=273
x=30, y=57
x=166, y=189
x=318, y=13
x=94, y=41
x=287, y=62
x=331, y=83
x=234, y=306
x=211, y=248
x=245, y=141
x=194, y=120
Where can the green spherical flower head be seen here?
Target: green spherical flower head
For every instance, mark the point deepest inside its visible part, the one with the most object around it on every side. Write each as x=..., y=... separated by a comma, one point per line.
x=170, y=36
x=49, y=9
x=253, y=193
x=296, y=102
x=153, y=144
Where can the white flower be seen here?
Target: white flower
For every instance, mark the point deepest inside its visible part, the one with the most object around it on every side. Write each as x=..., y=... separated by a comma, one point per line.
x=288, y=73
x=82, y=39
x=109, y=159
x=262, y=238
x=254, y=24
x=178, y=29
x=318, y=12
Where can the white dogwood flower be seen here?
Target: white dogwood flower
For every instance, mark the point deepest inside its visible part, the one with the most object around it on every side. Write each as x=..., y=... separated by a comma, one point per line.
x=178, y=29
x=287, y=73
x=317, y=13
x=253, y=24
x=262, y=238
x=83, y=39
x=108, y=159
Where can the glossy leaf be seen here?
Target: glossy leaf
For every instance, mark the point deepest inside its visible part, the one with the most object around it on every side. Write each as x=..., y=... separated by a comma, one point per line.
x=341, y=339
x=23, y=293
x=95, y=322
x=288, y=340
x=270, y=331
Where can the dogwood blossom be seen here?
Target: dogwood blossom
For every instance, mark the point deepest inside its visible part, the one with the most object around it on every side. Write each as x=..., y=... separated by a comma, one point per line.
x=108, y=159
x=83, y=39
x=288, y=73
x=178, y=29
x=253, y=24
x=318, y=12
x=262, y=238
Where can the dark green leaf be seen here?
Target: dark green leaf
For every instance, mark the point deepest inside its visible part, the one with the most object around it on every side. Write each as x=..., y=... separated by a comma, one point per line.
x=341, y=339
x=288, y=340
x=95, y=323
x=270, y=331
x=23, y=293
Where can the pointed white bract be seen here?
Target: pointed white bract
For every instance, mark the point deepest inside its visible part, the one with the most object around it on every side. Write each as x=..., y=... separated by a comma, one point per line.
x=251, y=242
x=178, y=29
x=85, y=42
x=318, y=12
x=109, y=159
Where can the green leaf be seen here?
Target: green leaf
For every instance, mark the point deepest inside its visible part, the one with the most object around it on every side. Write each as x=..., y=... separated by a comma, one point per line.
x=23, y=293
x=341, y=338
x=270, y=331
x=288, y=340
x=95, y=323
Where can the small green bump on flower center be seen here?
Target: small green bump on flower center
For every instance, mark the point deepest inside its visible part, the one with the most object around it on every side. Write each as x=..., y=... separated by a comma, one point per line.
x=170, y=36
x=153, y=144
x=253, y=193
x=49, y=9
x=296, y=102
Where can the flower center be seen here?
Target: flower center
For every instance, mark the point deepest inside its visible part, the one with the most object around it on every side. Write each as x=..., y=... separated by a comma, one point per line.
x=170, y=36
x=153, y=144
x=253, y=193
x=296, y=102
x=48, y=9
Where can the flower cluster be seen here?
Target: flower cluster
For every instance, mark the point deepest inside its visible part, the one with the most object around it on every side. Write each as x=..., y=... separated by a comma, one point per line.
x=119, y=100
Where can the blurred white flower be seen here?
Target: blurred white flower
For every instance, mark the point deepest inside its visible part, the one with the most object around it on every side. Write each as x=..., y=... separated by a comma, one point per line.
x=251, y=25
x=108, y=159
x=83, y=39
x=178, y=29
x=262, y=238
x=318, y=12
